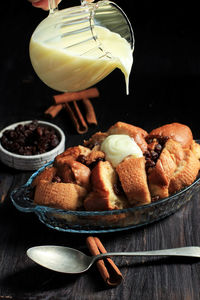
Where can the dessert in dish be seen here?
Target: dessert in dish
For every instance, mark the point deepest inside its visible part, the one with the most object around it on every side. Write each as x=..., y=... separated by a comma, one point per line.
x=123, y=167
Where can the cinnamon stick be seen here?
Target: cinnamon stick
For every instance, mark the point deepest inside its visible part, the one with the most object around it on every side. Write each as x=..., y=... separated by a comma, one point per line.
x=77, y=117
x=107, y=268
x=90, y=113
x=2, y=197
x=53, y=110
x=74, y=96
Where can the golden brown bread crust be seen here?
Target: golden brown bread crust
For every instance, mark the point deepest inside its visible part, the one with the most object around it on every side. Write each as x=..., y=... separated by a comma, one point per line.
x=97, y=188
x=175, y=169
x=133, y=179
x=103, y=196
x=175, y=149
x=93, y=156
x=67, y=196
x=185, y=173
x=70, y=170
x=159, y=176
x=195, y=148
x=74, y=172
x=96, y=139
x=71, y=153
x=137, y=133
x=47, y=174
x=176, y=131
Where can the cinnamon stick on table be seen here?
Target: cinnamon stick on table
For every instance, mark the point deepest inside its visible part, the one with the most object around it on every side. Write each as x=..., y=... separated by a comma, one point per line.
x=69, y=101
x=90, y=113
x=107, y=268
x=74, y=96
x=53, y=110
x=77, y=117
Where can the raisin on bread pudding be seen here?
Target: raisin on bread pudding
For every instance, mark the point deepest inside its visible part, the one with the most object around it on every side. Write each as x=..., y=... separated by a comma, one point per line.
x=123, y=167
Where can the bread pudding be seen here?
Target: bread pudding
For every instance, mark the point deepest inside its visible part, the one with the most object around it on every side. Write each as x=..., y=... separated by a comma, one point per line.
x=121, y=168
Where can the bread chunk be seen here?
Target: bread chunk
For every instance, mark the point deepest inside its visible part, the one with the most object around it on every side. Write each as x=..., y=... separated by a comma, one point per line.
x=133, y=179
x=96, y=140
x=75, y=172
x=159, y=176
x=103, y=196
x=176, y=131
x=185, y=173
x=70, y=170
x=93, y=156
x=71, y=153
x=67, y=196
x=85, y=177
x=47, y=174
x=195, y=147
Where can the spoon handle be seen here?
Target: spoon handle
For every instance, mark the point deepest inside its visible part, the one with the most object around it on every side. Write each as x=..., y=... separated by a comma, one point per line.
x=184, y=251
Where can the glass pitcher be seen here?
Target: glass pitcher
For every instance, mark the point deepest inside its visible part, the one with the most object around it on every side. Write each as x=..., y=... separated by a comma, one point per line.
x=74, y=48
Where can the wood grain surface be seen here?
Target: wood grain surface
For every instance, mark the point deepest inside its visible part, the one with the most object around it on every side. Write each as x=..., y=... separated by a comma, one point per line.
x=144, y=278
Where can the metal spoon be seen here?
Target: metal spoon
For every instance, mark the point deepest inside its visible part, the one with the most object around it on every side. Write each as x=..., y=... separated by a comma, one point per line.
x=72, y=261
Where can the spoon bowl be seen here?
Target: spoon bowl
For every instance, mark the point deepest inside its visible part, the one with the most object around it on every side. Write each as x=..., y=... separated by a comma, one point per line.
x=72, y=261
x=60, y=259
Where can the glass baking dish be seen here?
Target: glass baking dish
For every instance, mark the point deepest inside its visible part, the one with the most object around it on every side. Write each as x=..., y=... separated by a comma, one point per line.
x=100, y=221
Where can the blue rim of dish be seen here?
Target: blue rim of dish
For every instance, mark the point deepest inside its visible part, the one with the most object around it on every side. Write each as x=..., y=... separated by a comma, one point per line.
x=96, y=213
x=36, y=208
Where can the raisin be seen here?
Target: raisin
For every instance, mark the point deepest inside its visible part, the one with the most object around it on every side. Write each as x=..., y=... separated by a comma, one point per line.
x=154, y=155
x=56, y=179
x=12, y=134
x=150, y=163
x=158, y=148
x=94, y=163
x=82, y=159
x=150, y=155
x=33, y=125
x=149, y=140
x=155, y=198
x=19, y=128
x=147, y=154
x=117, y=187
x=40, y=131
x=54, y=141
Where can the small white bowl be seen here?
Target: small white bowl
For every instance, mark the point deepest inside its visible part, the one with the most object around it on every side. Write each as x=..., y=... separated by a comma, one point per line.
x=31, y=162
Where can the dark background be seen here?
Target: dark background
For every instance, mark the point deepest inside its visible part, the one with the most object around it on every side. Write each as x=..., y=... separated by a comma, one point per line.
x=164, y=87
x=164, y=83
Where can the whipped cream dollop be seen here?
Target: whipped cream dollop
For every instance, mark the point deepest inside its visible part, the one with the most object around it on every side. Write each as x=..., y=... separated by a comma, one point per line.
x=118, y=146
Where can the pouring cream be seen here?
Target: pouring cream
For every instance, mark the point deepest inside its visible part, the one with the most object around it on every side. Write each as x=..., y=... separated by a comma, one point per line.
x=64, y=70
x=70, y=52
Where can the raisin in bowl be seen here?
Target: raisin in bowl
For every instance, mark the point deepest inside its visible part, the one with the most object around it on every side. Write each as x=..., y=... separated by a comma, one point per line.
x=28, y=145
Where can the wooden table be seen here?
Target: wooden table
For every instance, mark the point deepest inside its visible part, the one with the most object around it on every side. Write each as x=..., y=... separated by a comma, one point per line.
x=164, y=87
